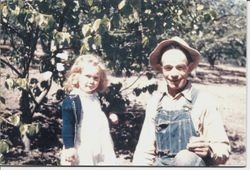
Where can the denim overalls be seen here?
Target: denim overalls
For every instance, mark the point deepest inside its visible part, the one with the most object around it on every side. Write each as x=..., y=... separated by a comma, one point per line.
x=173, y=130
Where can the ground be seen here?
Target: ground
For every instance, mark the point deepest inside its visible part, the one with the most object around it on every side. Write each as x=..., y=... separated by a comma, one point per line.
x=226, y=83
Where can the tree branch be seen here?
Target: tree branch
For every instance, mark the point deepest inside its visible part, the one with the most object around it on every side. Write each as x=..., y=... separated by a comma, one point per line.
x=11, y=66
x=13, y=30
x=39, y=100
x=6, y=121
x=133, y=82
x=32, y=50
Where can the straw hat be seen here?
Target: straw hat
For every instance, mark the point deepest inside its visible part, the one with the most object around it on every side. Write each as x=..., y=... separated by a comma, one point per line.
x=156, y=54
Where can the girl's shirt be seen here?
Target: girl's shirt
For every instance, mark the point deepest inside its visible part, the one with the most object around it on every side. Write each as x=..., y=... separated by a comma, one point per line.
x=95, y=143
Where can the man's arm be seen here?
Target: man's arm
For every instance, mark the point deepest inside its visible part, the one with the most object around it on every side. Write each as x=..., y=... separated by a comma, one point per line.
x=145, y=149
x=214, y=134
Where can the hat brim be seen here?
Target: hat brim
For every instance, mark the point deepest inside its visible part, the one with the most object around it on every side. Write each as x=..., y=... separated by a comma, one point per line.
x=156, y=54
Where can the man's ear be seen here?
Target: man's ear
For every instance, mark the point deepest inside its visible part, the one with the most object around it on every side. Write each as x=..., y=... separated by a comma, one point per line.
x=159, y=68
x=190, y=67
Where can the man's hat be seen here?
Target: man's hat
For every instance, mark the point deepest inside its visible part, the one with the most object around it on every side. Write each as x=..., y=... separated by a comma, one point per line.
x=156, y=54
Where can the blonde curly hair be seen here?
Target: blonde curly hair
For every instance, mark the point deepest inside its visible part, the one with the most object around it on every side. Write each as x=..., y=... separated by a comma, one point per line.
x=77, y=68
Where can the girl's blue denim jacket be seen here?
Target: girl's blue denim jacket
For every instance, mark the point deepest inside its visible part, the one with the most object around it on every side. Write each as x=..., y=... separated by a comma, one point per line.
x=71, y=116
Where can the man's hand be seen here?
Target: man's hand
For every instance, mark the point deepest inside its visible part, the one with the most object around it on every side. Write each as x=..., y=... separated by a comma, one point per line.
x=199, y=146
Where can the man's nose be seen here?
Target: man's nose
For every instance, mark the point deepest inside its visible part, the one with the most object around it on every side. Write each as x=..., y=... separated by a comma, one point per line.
x=174, y=73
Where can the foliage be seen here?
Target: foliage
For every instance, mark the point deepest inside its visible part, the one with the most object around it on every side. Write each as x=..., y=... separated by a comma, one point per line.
x=47, y=35
x=219, y=33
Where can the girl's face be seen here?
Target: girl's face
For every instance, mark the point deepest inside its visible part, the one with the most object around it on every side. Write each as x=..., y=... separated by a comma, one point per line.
x=90, y=78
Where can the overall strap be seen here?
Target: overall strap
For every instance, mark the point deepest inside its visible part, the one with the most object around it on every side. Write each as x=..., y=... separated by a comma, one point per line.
x=159, y=101
x=190, y=103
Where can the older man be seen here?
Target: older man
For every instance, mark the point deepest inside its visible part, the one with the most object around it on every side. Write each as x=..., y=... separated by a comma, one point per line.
x=182, y=126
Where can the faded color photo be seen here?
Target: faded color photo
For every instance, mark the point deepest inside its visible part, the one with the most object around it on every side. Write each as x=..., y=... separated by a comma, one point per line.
x=139, y=105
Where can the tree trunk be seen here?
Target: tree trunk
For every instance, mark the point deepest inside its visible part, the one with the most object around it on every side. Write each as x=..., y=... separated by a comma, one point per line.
x=26, y=116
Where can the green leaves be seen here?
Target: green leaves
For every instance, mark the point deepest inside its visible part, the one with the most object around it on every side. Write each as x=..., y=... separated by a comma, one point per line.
x=93, y=34
x=200, y=7
x=86, y=29
x=44, y=22
x=24, y=18
x=99, y=26
x=5, y=146
x=30, y=129
x=10, y=118
x=122, y=4
x=4, y=11
x=20, y=83
x=96, y=25
x=89, y=2
x=150, y=88
x=14, y=120
x=62, y=38
x=145, y=41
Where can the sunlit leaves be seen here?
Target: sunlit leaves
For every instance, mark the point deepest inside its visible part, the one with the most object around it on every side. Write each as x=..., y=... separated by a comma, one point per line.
x=122, y=4
x=86, y=29
x=200, y=7
x=14, y=120
x=30, y=129
x=62, y=38
x=87, y=42
x=5, y=11
x=96, y=25
x=98, y=40
x=20, y=83
x=10, y=118
x=145, y=41
x=5, y=145
x=90, y=2
x=93, y=34
x=44, y=22
x=101, y=25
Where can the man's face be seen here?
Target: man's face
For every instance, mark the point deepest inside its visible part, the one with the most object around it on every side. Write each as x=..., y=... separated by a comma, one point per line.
x=175, y=70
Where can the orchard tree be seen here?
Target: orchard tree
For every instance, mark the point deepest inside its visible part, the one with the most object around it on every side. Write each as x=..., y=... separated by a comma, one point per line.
x=216, y=28
x=52, y=25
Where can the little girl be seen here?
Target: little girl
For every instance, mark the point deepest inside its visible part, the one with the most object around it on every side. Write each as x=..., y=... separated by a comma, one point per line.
x=85, y=132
